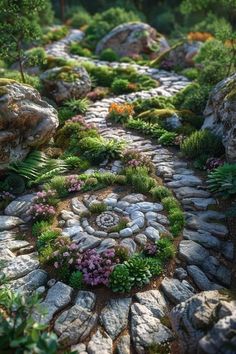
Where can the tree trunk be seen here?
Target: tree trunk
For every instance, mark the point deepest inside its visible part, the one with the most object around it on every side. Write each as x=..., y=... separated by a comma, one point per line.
x=62, y=10
x=21, y=70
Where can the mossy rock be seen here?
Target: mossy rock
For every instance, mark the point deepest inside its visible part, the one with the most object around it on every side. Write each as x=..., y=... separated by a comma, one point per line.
x=158, y=115
x=5, y=81
x=231, y=96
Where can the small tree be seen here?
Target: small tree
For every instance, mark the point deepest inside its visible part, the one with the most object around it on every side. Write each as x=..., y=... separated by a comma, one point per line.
x=19, y=25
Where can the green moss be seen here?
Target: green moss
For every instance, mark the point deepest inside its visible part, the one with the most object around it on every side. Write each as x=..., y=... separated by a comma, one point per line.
x=5, y=81
x=231, y=96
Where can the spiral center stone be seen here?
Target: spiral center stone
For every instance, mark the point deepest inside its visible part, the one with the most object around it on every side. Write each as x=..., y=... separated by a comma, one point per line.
x=107, y=219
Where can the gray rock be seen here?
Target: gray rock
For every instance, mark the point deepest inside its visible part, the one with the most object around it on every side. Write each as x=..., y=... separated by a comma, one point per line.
x=204, y=238
x=148, y=206
x=154, y=301
x=74, y=325
x=175, y=290
x=126, y=232
x=196, y=222
x=29, y=282
x=200, y=279
x=71, y=231
x=14, y=245
x=141, y=239
x=139, y=222
x=79, y=348
x=133, y=198
x=159, y=227
x=220, y=115
x=58, y=296
x=146, y=329
x=85, y=299
x=105, y=244
x=114, y=317
x=129, y=244
x=9, y=222
x=199, y=203
x=20, y=266
x=221, y=338
x=31, y=127
x=192, y=253
x=123, y=345
x=192, y=318
x=180, y=273
x=189, y=192
x=184, y=181
x=61, y=89
x=162, y=219
x=227, y=249
x=78, y=207
x=100, y=343
x=89, y=242
x=151, y=215
x=152, y=233
x=20, y=206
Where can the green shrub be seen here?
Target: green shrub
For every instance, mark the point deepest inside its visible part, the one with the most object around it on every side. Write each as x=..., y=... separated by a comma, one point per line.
x=35, y=56
x=45, y=255
x=167, y=138
x=120, y=86
x=222, y=180
x=47, y=238
x=120, y=279
x=138, y=270
x=20, y=333
x=170, y=203
x=165, y=249
x=103, y=22
x=161, y=102
x=76, y=163
x=65, y=113
x=120, y=226
x=108, y=55
x=190, y=73
x=139, y=179
x=160, y=192
x=80, y=18
x=103, y=75
x=76, y=280
x=78, y=105
x=202, y=142
x=78, y=49
x=97, y=208
x=193, y=97
x=57, y=183
x=154, y=266
x=39, y=227
x=177, y=221
x=13, y=183
x=31, y=80
x=55, y=34
x=98, y=149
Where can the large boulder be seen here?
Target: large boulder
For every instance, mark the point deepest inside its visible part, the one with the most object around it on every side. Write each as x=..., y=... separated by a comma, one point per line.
x=220, y=114
x=63, y=83
x=205, y=323
x=133, y=39
x=26, y=121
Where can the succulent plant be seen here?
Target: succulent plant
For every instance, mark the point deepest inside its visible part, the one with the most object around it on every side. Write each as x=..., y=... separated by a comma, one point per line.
x=138, y=270
x=120, y=279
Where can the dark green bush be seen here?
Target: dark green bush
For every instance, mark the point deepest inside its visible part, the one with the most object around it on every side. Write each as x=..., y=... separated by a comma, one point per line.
x=47, y=238
x=76, y=280
x=222, y=180
x=202, y=142
x=108, y=55
x=78, y=49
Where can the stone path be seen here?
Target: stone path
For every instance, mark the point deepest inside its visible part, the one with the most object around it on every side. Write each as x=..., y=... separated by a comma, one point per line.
x=203, y=253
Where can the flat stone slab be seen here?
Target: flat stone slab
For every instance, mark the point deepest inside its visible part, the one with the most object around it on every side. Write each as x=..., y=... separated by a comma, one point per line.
x=154, y=301
x=152, y=234
x=146, y=329
x=200, y=279
x=175, y=290
x=29, y=282
x=204, y=238
x=74, y=325
x=192, y=253
x=114, y=317
x=78, y=207
x=58, y=296
x=9, y=222
x=20, y=266
x=190, y=192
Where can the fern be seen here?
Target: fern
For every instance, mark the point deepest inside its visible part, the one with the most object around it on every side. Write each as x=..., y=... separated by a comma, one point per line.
x=37, y=167
x=222, y=180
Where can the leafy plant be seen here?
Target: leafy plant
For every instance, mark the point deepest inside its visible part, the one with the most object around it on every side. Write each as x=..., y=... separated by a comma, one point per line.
x=19, y=331
x=222, y=180
x=97, y=208
x=167, y=138
x=202, y=142
x=98, y=149
x=78, y=105
x=78, y=49
x=138, y=270
x=108, y=55
x=139, y=179
x=39, y=227
x=55, y=34
x=35, y=56
x=154, y=266
x=58, y=184
x=120, y=86
x=165, y=249
x=76, y=280
x=120, y=279
x=37, y=167
x=13, y=183
x=47, y=238
x=160, y=192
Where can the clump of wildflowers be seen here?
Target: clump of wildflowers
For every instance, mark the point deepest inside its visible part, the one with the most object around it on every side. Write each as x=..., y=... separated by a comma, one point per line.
x=73, y=184
x=41, y=211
